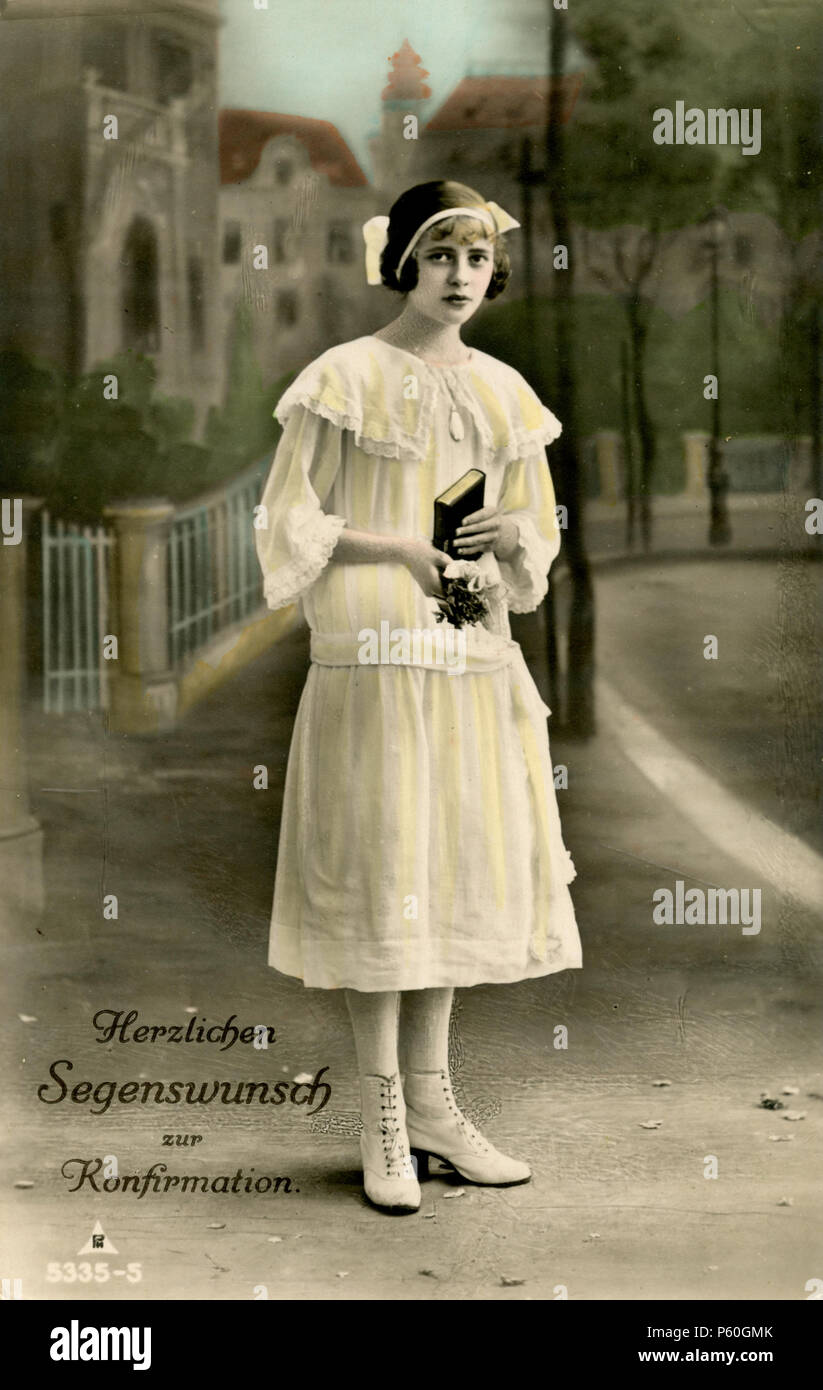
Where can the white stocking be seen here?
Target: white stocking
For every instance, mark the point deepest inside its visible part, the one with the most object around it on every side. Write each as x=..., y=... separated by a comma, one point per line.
x=374, y=1021
x=424, y=1029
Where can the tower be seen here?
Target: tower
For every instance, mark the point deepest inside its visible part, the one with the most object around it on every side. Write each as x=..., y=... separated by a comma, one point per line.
x=110, y=182
x=395, y=149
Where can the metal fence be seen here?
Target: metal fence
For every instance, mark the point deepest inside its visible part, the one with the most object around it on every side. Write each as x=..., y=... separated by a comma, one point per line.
x=77, y=575
x=213, y=572
x=213, y=581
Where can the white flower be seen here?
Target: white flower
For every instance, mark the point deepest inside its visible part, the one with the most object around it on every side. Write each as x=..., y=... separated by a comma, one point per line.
x=460, y=569
x=467, y=570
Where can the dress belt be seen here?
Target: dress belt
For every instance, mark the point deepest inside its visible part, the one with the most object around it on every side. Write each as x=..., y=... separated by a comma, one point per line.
x=445, y=649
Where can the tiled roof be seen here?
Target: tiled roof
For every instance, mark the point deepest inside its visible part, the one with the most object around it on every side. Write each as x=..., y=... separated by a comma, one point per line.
x=244, y=133
x=494, y=103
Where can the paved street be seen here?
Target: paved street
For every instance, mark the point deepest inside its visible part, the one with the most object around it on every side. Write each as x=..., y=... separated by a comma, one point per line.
x=753, y=715
x=617, y=1208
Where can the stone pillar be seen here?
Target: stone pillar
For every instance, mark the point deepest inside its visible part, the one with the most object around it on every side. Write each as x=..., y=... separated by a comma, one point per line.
x=696, y=452
x=143, y=691
x=607, y=454
x=21, y=839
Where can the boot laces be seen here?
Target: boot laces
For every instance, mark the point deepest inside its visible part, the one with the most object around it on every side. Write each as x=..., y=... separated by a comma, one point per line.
x=473, y=1136
x=397, y=1159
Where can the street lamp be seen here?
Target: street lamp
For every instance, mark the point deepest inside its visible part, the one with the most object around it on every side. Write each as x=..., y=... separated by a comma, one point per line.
x=715, y=225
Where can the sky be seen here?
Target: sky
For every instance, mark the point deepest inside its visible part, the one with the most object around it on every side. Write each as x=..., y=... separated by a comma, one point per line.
x=330, y=58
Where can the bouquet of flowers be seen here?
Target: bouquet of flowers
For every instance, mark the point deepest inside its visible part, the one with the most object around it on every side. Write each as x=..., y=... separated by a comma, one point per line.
x=464, y=602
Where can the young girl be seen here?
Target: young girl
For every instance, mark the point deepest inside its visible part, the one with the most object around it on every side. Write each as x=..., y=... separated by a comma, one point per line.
x=420, y=844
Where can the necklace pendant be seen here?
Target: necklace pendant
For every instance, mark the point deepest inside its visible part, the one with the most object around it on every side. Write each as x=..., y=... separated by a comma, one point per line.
x=456, y=424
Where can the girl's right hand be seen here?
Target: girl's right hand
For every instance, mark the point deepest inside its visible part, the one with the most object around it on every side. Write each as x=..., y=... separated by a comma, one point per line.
x=424, y=563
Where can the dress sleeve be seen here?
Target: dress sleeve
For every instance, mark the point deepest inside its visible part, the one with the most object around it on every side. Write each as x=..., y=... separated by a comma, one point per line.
x=527, y=496
x=294, y=537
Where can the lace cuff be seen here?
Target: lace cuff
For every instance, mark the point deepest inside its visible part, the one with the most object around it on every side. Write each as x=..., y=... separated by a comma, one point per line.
x=526, y=571
x=312, y=535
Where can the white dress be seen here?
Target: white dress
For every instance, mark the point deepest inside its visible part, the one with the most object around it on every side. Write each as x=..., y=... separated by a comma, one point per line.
x=420, y=842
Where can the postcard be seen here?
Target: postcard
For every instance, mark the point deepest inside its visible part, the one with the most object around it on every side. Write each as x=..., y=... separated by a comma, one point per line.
x=346, y=878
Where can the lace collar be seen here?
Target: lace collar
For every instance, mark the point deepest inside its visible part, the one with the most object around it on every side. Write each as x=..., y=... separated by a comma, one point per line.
x=386, y=397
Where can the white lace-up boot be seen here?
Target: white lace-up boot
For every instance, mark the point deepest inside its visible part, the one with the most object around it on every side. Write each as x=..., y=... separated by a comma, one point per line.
x=388, y=1173
x=437, y=1127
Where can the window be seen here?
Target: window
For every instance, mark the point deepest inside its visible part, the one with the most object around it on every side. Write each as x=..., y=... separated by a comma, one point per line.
x=140, y=297
x=173, y=68
x=287, y=308
x=283, y=244
x=283, y=171
x=104, y=49
x=340, y=248
x=232, y=243
x=197, y=321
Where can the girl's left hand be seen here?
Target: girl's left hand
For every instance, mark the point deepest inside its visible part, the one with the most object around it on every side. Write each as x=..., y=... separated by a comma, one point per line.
x=488, y=529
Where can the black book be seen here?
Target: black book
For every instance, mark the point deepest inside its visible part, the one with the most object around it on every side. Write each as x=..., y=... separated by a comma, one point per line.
x=452, y=506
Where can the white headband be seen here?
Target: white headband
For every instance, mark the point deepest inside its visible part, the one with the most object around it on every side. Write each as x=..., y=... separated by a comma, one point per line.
x=376, y=233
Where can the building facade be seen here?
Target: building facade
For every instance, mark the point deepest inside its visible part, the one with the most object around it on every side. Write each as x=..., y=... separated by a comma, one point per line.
x=293, y=202
x=110, y=182
x=138, y=217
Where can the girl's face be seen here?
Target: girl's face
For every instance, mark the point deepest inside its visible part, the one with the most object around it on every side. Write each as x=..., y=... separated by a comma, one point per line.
x=453, y=275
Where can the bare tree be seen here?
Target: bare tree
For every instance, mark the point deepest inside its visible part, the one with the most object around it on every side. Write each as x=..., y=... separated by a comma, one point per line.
x=626, y=271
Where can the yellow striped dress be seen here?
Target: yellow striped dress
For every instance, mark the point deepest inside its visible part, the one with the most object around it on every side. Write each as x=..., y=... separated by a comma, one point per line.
x=420, y=842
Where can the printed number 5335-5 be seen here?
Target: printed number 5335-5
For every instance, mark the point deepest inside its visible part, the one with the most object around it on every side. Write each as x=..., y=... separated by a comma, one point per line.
x=84, y=1273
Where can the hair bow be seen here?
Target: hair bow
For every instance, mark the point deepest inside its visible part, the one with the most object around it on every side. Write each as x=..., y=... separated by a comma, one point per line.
x=502, y=220
x=375, y=235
